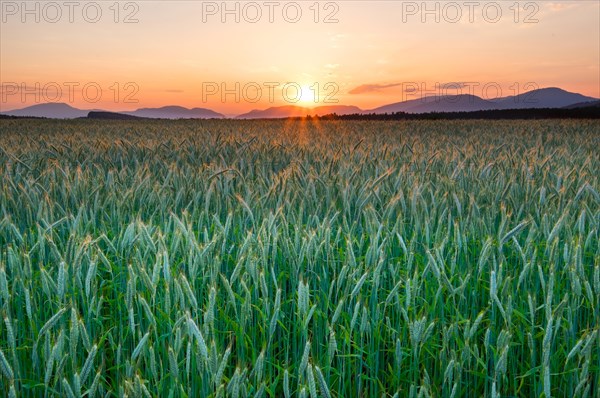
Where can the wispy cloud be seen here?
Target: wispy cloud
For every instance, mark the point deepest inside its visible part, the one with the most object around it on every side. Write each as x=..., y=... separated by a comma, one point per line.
x=369, y=88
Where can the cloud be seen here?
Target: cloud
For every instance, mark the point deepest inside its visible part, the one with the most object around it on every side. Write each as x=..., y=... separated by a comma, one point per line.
x=369, y=88
x=331, y=66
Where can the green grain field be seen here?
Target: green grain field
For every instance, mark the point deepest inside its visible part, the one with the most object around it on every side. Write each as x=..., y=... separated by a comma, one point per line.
x=299, y=258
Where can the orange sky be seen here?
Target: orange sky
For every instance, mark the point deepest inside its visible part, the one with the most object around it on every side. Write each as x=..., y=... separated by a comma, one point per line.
x=181, y=52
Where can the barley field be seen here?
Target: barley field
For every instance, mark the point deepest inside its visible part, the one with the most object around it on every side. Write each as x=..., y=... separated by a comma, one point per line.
x=299, y=258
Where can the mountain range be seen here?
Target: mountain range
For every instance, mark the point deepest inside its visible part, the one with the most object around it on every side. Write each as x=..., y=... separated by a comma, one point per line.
x=65, y=111
x=543, y=98
x=176, y=112
x=49, y=110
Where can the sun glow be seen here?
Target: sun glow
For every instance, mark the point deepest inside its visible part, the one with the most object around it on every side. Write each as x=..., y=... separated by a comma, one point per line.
x=307, y=95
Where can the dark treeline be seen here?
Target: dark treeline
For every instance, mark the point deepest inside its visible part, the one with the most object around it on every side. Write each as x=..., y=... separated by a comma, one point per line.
x=545, y=113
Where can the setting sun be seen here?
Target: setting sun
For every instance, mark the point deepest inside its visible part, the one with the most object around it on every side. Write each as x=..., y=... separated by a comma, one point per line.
x=307, y=95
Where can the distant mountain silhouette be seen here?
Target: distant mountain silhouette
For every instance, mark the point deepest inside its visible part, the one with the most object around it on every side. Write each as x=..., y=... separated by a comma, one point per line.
x=551, y=97
x=447, y=103
x=543, y=98
x=51, y=110
x=588, y=104
x=65, y=111
x=176, y=112
x=298, y=111
x=337, y=109
x=275, y=112
x=112, y=116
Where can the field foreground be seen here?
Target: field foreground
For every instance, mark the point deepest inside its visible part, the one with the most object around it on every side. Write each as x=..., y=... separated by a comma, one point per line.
x=299, y=258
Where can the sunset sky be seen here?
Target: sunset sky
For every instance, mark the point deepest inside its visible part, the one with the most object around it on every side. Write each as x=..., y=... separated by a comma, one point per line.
x=178, y=50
